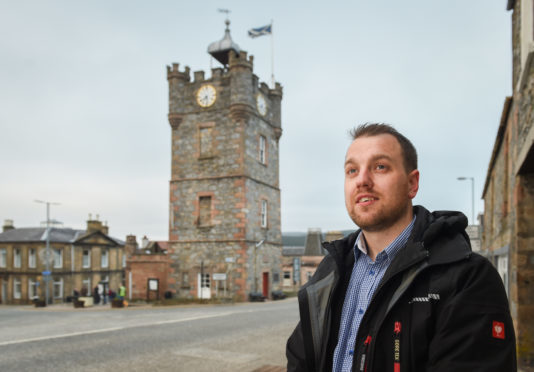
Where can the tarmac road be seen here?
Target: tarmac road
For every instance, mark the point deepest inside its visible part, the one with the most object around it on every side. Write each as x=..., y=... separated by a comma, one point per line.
x=241, y=337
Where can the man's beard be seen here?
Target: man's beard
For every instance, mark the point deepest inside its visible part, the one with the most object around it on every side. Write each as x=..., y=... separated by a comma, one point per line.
x=381, y=219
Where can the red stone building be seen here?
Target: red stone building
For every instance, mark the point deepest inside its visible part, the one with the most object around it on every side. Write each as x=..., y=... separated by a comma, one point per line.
x=147, y=269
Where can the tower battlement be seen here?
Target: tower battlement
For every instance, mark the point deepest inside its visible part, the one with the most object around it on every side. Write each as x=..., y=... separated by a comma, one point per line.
x=173, y=72
x=240, y=60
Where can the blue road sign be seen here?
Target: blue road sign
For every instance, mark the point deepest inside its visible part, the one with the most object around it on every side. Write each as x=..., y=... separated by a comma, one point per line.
x=45, y=273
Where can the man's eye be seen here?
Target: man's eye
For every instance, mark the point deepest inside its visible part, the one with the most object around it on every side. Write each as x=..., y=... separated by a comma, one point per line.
x=351, y=171
x=380, y=167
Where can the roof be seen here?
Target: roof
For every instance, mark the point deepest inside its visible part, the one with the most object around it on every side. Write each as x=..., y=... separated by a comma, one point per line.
x=292, y=251
x=293, y=239
x=313, y=243
x=38, y=234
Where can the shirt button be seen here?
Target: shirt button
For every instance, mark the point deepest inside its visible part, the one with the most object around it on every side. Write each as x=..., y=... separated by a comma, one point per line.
x=371, y=272
x=360, y=311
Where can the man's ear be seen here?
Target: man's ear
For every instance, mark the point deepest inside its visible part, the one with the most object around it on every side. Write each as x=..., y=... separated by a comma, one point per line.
x=413, y=183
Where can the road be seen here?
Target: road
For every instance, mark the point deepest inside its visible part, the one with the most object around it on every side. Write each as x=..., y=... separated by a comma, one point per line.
x=241, y=337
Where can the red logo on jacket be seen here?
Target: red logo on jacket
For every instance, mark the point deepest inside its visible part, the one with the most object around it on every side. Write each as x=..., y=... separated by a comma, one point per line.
x=498, y=330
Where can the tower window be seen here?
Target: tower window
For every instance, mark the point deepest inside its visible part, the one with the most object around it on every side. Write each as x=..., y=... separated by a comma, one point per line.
x=204, y=216
x=262, y=150
x=264, y=213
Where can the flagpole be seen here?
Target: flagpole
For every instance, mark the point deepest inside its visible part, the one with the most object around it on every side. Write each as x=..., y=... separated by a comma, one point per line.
x=272, y=55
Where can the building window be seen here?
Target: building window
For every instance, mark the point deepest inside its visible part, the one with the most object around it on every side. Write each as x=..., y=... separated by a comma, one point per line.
x=32, y=288
x=264, y=213
x=3, y=257
x=104, y=259
x=16, y=258
x=262, y=150
x=276, y=277
x=185, y=279
x=58, y=288
x=204, y=216
x=124, y=259
x=16, y=288
x=86, y=258
x=58, y=258
x=32, y=258
x=206, y=141
x=287, y=274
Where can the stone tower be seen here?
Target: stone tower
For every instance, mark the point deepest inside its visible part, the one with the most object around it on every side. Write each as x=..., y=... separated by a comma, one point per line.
x=224, y=187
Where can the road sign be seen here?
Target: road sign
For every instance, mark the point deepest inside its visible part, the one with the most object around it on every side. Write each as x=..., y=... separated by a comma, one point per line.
x=230, y=259
x=219, y=276
x=46, y=272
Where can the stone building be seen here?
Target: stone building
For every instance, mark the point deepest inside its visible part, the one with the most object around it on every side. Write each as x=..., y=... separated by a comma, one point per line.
x=508, y=223
x=302, y=253
x=78, y=259
x=224, y=187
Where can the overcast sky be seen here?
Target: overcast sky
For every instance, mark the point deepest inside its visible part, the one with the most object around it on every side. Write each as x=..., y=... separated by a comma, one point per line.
x=84, y=99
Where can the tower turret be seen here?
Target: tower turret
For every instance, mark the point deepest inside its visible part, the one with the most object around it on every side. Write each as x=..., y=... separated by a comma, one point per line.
x=219, y=49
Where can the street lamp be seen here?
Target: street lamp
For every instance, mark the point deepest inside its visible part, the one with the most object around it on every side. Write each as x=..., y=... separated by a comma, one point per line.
x=47, y=272
x=256, y=246
x=472, y=196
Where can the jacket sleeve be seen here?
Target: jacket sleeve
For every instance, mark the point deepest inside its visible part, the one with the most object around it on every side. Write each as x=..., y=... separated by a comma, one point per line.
x=474, y=329
x=296, y=359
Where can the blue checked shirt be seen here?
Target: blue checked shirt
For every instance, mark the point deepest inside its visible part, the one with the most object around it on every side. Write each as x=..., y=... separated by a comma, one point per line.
x=366, y=274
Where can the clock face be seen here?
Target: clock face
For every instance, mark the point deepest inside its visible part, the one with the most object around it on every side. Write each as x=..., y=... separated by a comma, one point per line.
x=261, y=105
x=206, y=95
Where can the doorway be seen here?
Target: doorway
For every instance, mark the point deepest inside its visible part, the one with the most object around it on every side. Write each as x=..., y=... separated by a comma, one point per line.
x=203, y=285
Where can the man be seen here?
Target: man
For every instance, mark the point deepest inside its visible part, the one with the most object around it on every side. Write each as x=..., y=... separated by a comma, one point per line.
x=405, y=292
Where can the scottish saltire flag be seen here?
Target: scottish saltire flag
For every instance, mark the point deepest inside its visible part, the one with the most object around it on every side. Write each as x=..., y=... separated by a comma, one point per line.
x=260, y=31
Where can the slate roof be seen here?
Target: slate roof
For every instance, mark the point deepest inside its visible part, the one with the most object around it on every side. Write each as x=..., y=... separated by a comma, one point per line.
x=38, y=234
x=292, y=251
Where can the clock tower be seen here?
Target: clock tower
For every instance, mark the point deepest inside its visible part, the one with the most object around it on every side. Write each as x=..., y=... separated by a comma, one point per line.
x=224, y=223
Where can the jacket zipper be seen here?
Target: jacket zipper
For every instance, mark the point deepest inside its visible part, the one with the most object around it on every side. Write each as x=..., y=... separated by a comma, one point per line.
x=379, y=325
x=396, y=347
x=363, y=363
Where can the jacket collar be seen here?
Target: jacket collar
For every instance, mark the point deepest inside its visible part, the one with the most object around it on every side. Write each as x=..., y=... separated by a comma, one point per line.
x=439, y=235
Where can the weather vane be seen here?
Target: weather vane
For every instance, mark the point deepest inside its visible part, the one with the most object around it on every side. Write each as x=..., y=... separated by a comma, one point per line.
x=225, y=11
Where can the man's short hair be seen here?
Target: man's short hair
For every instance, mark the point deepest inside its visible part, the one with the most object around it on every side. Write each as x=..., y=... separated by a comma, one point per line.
x=409, y=152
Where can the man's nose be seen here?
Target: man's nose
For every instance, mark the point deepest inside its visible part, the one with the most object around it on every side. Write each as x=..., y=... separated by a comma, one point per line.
x=364, y=179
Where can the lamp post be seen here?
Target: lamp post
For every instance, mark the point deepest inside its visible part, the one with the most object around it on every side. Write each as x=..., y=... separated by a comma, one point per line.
x=472, y=179
x=47, y=272
x=256, y=246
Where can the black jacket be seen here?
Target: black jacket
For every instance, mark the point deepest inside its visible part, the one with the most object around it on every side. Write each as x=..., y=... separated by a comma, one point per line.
x=439, y=307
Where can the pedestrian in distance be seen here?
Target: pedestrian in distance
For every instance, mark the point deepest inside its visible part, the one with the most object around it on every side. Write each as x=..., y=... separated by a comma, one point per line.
x=96, y=296
x=404, y=293
x=122, y=292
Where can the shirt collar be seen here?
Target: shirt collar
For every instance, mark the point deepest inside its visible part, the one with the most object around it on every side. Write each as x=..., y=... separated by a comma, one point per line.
x=360, y=247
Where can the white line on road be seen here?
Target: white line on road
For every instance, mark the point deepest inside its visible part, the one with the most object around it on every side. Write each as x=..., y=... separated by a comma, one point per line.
x=113, y=329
